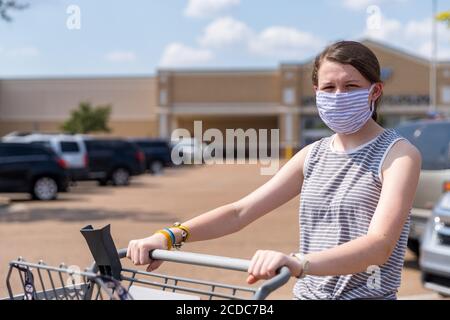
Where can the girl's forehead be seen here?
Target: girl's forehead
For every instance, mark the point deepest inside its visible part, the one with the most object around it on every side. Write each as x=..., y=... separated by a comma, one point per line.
x=333, y=71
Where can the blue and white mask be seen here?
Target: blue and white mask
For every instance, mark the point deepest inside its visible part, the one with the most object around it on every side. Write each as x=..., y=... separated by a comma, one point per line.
x=347, y=112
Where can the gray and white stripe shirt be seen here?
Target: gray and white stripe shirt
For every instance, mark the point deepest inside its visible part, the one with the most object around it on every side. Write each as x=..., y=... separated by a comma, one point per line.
x=338, y=199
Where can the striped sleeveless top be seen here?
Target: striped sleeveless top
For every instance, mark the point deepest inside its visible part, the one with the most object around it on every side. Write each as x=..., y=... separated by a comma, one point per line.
x=339, y=196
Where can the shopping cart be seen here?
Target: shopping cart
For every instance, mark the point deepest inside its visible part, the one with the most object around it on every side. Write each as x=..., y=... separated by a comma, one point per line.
x=106, y=279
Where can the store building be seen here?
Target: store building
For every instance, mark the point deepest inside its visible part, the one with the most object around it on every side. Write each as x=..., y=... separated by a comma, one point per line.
x=280, y=98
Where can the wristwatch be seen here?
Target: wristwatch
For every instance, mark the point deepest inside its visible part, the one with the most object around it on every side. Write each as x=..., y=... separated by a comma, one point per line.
x=184, y=236
x=303, y=262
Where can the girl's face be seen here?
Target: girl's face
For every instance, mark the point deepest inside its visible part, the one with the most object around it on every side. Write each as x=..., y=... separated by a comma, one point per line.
x=337, y=78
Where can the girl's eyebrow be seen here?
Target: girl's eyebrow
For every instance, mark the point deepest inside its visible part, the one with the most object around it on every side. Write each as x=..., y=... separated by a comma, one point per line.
x=352, y=81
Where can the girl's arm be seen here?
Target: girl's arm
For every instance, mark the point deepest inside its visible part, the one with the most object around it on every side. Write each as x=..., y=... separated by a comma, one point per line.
x=401, y=171
x=228, y=219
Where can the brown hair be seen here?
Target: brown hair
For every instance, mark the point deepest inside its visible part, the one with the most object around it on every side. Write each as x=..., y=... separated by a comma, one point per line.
x=355, y=54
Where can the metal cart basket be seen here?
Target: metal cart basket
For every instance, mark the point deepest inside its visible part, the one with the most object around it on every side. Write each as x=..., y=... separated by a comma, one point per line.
x=106, y=279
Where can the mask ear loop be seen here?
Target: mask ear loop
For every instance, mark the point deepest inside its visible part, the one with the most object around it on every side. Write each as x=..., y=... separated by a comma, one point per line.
x=372, y=103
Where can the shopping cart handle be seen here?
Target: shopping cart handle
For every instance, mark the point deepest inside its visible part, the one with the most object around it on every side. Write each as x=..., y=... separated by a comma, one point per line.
x=282, y=277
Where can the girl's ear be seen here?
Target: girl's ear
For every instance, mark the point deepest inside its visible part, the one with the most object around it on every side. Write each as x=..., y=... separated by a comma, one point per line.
x=377, y=91
x=315, y=88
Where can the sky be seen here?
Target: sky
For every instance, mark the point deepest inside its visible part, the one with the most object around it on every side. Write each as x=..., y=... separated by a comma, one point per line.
x=54, y=38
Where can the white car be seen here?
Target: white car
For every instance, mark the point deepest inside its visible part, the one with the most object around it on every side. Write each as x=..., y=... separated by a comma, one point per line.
x=187, y=150
x=70, y=148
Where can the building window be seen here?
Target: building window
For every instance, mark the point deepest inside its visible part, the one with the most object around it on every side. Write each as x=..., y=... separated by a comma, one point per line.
x=445, y=94
x=163, y=97
x=289, y=96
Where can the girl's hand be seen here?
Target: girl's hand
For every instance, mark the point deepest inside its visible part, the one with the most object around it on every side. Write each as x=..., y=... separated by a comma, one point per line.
x=265, y=264
x=138, y=251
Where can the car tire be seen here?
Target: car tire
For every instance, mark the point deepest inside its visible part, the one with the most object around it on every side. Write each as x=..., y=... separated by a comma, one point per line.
x=44, y=189
x=414, y=246
x=156, y=167
x=120, y=177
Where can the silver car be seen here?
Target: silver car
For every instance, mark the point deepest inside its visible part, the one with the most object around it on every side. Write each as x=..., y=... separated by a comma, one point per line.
x=432, y=138
x=435, y=249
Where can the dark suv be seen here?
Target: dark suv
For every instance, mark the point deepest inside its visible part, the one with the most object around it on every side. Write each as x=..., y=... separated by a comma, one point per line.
x=32, y=169
x=113, y=160
x=157, y=154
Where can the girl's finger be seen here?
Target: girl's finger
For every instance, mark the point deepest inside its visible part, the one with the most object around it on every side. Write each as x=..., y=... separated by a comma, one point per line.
x=258, y=265
x=143, y=256
x=129, y=250
x=273, y=267
x=252, y=262
x=151, y=266
x=268, y=261
x=136, y=255
x=251, y=279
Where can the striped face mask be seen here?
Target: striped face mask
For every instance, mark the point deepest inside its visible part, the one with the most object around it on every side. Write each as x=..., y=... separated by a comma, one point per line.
x=347, y=112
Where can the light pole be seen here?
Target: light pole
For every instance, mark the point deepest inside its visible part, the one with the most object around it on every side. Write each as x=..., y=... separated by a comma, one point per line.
x=434, y=52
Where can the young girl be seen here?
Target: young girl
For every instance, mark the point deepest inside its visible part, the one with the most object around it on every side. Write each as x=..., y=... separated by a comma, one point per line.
x=357, y=189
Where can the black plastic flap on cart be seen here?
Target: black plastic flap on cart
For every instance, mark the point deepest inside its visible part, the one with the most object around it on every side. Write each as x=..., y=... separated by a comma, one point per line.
x=103, y=250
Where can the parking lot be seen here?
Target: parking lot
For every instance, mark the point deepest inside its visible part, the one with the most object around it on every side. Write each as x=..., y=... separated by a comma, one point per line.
x=50, y=230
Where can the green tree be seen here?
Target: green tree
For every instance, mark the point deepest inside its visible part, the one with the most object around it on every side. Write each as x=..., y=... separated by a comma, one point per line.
x=8, y=5
x=87, y=119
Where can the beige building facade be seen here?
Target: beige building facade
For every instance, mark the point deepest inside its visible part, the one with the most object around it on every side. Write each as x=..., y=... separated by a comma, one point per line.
x=44, y=104
x=280, y=98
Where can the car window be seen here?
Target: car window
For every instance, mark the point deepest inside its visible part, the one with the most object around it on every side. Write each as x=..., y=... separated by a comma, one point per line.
x=96, y=145
x=42, y=143
x=433, y=141
x=23, y=150
x=69, y=147
x=143, y=144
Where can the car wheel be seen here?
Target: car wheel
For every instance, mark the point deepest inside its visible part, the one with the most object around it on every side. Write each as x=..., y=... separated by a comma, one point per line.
x=45, y=189
x=414, y=246
x=156, y=167
x=120, y=177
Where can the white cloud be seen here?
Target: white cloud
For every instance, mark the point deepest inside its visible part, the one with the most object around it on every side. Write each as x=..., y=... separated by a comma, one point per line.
x=364, y=4
x=276, y=41
x=357, y=4
x=285, y=43
x=121, y=56
x=208, y=8
x=22, y=52
x=179, y=55
x=225, y=32
x=413, y=36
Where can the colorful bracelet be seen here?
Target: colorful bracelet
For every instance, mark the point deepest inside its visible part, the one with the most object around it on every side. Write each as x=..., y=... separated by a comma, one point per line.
x=172, y=235
x=169, y=239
